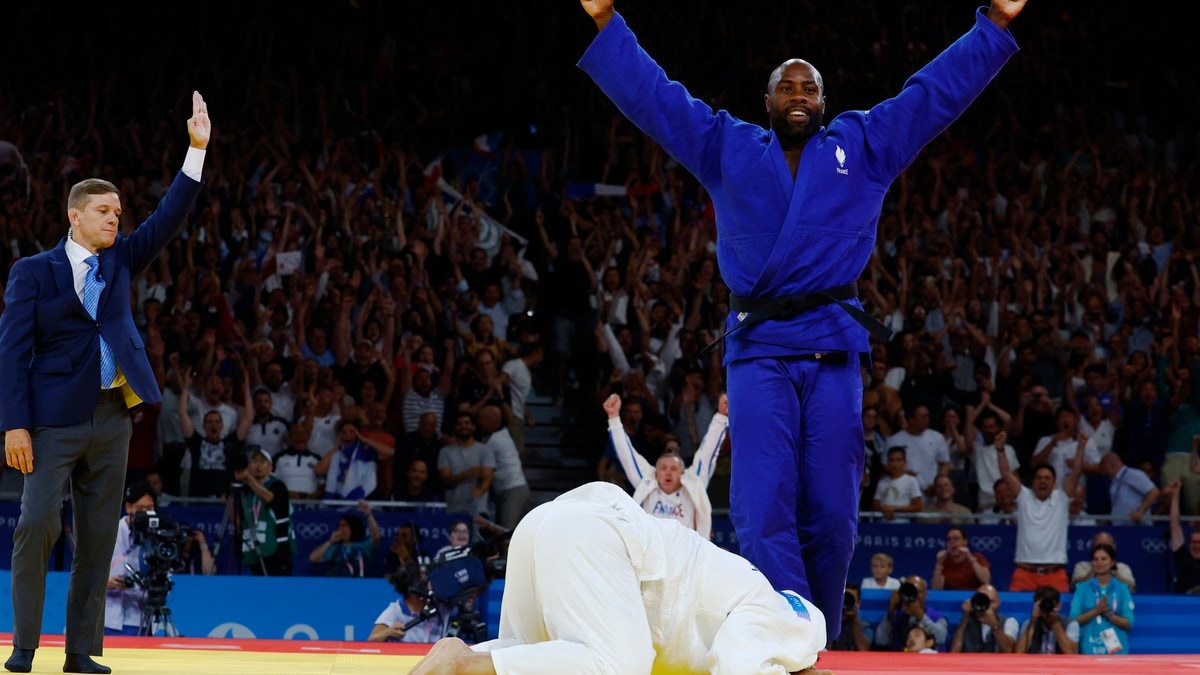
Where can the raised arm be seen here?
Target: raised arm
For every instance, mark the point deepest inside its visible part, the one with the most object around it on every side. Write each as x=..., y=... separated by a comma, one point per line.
x=1075, y=466
x=185, y=396
x=246, y=411
x=1177, y=540
x=706, y=455
x=372, y=526
x=322, y=466
x=1006, y=471
x=635, y=466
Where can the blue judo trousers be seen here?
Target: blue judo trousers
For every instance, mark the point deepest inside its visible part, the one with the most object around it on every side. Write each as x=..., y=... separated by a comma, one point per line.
x=795, y=420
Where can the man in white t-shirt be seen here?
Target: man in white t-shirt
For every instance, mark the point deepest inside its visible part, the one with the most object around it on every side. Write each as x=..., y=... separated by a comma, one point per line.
x=1043, y=514
x=928, y=454
x=321, y=419
x=509, y=485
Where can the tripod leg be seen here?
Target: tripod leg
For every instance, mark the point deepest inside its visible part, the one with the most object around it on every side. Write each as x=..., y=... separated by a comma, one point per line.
x=168, y=623
x=226, y=517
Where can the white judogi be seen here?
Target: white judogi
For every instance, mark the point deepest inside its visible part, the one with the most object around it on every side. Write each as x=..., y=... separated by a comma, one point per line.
x=596, y=585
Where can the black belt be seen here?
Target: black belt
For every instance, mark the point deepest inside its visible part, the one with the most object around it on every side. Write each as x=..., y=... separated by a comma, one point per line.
x=756, y=310
x=114, y=394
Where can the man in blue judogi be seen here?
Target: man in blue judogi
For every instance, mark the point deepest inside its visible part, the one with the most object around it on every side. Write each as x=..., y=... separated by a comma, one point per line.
x=797, y=208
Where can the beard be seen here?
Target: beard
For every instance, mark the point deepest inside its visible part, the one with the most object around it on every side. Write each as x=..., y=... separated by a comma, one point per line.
x=791, y=135
x=462, y=435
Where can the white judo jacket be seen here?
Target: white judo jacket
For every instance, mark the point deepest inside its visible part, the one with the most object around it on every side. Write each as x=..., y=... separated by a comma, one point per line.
x=695, y=478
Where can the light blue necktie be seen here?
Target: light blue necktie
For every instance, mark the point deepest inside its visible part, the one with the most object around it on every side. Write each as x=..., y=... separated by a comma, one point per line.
x=92, y=286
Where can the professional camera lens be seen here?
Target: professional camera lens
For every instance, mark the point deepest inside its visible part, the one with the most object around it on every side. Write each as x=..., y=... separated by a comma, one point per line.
x=907, y=592
x=848, y=601
x=1046, y=606
x=980, y=602
x=168, y=551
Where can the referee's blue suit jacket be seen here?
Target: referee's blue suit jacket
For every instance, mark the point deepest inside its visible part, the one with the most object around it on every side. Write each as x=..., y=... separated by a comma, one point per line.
x=50, y=345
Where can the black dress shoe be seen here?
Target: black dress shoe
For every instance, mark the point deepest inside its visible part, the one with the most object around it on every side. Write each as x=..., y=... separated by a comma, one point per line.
x=21, y=661
x=82, y=663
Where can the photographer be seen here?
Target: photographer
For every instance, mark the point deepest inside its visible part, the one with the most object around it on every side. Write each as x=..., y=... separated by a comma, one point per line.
x=196, y=557
x=983, y=629
x=123, y=600
x=1044, y=631
x=414, y=603
x=264, y=517
x=856, y=632
x=906, y=608
x=149, y=550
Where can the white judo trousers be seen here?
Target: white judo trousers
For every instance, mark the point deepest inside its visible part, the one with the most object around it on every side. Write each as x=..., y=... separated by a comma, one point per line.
x=596, y=585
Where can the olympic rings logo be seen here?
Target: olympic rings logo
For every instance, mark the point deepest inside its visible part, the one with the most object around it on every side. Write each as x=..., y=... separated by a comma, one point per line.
x=987, y=544
x=310, y=530
x=1154, y=545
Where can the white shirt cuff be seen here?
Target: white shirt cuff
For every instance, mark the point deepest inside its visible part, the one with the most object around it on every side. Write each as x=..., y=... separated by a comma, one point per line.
x=193, y=163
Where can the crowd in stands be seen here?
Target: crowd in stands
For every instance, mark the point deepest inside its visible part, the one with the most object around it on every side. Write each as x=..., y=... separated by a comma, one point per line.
x=371, y=300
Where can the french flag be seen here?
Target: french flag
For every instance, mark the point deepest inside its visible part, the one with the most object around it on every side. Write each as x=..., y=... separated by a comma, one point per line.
x=433, y=173
x=488, y=144
x=576, y=191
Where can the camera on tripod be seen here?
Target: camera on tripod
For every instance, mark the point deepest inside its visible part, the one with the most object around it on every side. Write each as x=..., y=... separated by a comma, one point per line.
x=457, y=577
x=163, y=543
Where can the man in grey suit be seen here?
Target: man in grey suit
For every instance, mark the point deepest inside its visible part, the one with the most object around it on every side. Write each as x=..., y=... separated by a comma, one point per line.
x=77, y=363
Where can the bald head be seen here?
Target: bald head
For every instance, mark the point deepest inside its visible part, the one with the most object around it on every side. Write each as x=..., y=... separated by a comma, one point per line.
x=668, y=471
x=777, y=74
x=490, y=418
